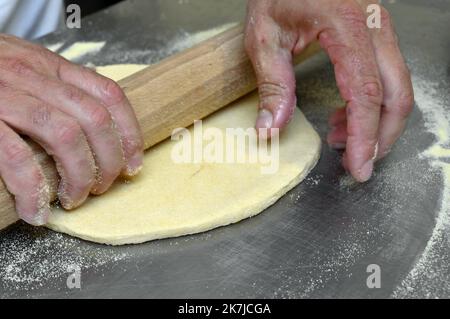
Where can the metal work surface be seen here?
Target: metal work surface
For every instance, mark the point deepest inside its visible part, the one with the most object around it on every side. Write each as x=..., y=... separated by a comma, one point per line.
x=319, y=239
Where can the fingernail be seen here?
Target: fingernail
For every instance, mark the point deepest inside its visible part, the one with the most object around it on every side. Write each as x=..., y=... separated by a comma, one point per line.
x=265, y=119
x=135, y=165
x=365, y=173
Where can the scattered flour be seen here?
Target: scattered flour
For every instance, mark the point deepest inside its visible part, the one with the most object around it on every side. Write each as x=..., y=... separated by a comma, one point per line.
x=23, y=267
x=430, y=276
x=180, y=42
x=188, y=40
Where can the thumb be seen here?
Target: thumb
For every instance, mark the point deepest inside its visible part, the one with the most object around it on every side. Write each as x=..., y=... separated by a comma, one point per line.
x=276, y=82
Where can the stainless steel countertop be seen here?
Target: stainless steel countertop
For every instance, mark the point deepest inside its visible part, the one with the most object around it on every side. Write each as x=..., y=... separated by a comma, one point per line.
x=317, y=241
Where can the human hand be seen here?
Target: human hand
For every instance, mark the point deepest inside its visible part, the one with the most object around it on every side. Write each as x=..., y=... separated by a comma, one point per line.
x=83, y=120
x=370, y=71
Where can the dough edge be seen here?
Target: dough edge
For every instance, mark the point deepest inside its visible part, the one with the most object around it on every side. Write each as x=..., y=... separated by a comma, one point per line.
x=249, y=212
x=253, y=207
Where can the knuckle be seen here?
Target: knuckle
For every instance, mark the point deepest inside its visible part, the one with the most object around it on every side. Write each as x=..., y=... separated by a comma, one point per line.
x=351, y=13
x=260, y=39
x=372, y=89
x=48, y=56
x=370, y=92
x=51, y=62
x=40, y=115
x=354, y=19
x=73, y=94
x=16, y=153
x=257, y=34
x=69, y=132
x=100, y=118
x=112, y=92
x=269, y=89
x=19, y=67
x=132, y=145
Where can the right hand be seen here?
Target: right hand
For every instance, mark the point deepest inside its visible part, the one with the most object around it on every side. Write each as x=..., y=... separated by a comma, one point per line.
x=371, y=73
x=82, y=119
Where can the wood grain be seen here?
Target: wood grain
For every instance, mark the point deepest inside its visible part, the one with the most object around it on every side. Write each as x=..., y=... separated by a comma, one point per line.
x=174, y=93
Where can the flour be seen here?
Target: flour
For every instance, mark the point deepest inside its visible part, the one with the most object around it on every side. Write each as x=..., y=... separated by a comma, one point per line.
x=182, y=40
x=188, y=40
x=23, y=268
x=429, y=277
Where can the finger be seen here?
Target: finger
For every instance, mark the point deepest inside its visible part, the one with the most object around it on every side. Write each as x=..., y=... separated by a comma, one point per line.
x=349, y=46
x=398, y=91
x=23, y=178
x=92, y=116
x=272, y=62
x=115, y=101
x=337, y=138
x=60, y=136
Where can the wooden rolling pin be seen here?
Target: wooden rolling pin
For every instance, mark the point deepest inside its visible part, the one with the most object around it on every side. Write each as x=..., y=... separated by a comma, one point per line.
x=174, y=93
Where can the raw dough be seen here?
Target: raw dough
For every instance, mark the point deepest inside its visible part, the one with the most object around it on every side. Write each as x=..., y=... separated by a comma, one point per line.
x=119, y=71
x=170, y=200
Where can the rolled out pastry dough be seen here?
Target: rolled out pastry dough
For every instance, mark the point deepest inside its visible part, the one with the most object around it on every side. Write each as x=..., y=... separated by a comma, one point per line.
x=170, y=200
